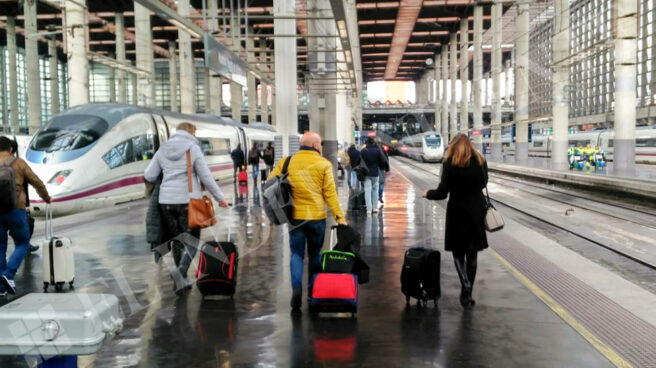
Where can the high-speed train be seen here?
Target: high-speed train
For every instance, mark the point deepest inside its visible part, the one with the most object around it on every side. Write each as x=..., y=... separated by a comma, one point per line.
x=93, y=156
x=427, y=147
x=541, y=145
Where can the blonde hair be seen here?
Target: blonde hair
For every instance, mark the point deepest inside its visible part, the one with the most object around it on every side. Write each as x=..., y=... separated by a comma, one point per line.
x=461, y=150
x=187, y=127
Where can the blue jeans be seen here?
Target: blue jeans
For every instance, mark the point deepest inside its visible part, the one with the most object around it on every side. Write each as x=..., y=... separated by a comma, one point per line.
x=312, y=231
x=256, y=170
x=15, y=223
x=355, y=183
x=371, y=192
x=381, y=183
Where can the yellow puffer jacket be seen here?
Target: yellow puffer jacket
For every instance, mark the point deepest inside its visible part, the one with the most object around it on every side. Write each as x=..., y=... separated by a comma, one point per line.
x=313, y=185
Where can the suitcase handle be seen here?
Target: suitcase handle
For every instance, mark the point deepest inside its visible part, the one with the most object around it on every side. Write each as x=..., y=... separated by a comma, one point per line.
x=49, y=231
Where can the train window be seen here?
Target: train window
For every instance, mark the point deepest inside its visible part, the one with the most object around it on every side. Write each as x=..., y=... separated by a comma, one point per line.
x=135, y=149
x=69, y=132
x=646, y=142
x=215, y=146
x=538, y=144
x=610, y=143
x=434, y=142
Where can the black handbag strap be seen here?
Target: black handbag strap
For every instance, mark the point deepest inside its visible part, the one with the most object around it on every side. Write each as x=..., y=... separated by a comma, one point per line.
x=286, y=165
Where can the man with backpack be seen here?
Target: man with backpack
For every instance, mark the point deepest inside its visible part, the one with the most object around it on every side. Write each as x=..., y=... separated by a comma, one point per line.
x=13, y=217
x=311, y=177
x=237, y=156
x=30, y=219
x=254, y=156
x=269, y=157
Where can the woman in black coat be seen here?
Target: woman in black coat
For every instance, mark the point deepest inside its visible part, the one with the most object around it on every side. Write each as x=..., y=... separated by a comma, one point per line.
x=464, y=175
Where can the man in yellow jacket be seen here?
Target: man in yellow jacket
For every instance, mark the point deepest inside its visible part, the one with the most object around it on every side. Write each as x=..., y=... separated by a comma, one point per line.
x=313, y=186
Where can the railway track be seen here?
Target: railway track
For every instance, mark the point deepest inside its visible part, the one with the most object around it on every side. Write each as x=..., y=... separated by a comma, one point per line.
x=641, y=217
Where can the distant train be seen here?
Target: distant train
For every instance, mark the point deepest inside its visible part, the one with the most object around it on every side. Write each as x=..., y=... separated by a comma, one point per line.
x=541, y=145
x=95, y=155
x=426, y=147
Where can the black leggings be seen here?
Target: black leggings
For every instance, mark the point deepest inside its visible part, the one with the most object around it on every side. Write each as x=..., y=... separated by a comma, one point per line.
x=466, y=263
x=185, y=242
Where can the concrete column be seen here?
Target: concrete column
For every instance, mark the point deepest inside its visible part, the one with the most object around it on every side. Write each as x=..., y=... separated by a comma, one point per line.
x=119, y=23
x=144, y=47
x=478, y=75
x=11, y=65
x=78, y=64
x=438, y=95
x=236, y=99
x=33, y=92
x=6, y=126
x=625, y=86
x=173, y=76
x=453, y=44
x=54, y=77
x=215, y=94
x=251, y=82
x=486, y=79
x=208, y=92
x=506, y=68
x=560, y=109
x=521, y=80
x=112, y=85
x=187, y=70
x=444, y=58
x=464, y=75
x=285, y=108
x=264, y=111
x=133, y=81
x=496, y=81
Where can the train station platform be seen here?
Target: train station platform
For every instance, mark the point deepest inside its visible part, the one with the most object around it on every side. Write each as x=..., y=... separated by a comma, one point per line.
x=640, y=183
x=537, y=304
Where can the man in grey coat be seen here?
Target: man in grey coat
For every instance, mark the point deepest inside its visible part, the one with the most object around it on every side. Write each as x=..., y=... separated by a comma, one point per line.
x=171, y=161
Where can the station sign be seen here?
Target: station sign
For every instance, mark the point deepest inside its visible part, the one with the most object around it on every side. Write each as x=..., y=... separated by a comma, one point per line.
x=223, y=61
x=476, y=132
x=371, y=134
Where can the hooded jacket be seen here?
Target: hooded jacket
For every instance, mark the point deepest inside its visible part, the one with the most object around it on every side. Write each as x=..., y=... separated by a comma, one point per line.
x=171, y=161
x=24, y=174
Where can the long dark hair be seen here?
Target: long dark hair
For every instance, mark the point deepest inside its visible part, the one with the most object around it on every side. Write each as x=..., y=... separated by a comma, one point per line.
x=461, y=150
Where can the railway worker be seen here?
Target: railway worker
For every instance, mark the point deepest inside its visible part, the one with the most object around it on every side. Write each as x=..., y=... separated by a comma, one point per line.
x=311, y=177
x=171, y=161
x=570, y=156
x=254, y=156
x=13, y=217
x=464, y=175
x=237, y=156
x=375, y=160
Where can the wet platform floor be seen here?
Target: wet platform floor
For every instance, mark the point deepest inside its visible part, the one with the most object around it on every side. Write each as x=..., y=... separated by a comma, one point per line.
x=509, y=326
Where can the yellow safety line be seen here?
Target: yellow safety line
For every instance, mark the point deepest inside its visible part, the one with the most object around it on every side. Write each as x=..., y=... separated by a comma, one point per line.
x=604, y=349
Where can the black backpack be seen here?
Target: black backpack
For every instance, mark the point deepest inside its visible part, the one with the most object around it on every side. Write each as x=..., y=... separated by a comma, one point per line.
x=277, y=194
x=268, y=156
x=8, y=195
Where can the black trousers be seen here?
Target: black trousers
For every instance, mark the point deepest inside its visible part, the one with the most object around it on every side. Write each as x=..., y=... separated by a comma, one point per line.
x=185, y=241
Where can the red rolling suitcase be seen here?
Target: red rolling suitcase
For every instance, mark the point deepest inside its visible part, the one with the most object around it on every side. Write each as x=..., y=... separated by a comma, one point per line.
x=242, y=177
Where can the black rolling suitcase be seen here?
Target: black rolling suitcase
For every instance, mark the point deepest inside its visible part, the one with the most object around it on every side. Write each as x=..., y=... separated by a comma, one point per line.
x=217, y=268
x=356, y=201
x=420, y=276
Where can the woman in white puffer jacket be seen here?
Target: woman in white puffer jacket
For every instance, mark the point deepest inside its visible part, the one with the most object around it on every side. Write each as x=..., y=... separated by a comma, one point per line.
x=171, y=162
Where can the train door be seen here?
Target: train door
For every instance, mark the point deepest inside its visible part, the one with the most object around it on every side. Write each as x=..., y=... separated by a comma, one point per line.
x=244, y=143
x=162, y=130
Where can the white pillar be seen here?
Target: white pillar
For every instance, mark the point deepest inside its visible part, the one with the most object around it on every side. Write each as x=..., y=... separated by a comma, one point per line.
x=119, y=23
x=236, y=99
x=251, y=82
x=285, y=108
x=11, y=65
x=133, y=81
x=444, y=56
x=112, y=84
x=438, y=95
x=464, y=75
x=33, y=92
x=78, y=64
x=173, y=76
x=264, y=113
x=560, y=108
x=144, y=48
x=496, y=81
x=521, y=80
x=54, y=77
x=187, y=70
x=625, y=86
x=478, y=75
x=453, y=44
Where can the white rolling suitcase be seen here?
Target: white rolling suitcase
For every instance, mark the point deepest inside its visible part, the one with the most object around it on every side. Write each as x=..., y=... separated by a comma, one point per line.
x=49, y=325
x=58, y=258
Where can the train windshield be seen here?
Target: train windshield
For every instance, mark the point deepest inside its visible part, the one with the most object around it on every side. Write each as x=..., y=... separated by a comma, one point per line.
x=68, y=133
x=433, y=141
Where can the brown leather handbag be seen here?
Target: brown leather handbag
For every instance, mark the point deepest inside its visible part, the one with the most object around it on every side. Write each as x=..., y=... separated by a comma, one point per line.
x=201, y=210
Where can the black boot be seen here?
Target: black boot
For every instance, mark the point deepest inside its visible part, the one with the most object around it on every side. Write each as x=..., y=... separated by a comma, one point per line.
x=472, y=263
x=297, y=300
x=465, y=292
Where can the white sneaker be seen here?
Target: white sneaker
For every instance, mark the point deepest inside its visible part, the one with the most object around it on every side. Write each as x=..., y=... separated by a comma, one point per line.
x=3, y=294
x=9, y=284
x=374, y=211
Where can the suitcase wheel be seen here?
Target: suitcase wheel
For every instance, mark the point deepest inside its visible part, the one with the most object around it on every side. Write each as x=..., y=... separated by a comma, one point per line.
x=45, y=286
x=70, y=285
x=59, y=286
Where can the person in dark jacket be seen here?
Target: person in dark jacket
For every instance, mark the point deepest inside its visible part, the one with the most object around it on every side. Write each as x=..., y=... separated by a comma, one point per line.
x=237, y=156
x=464, y=175
x=382, y=174
x=269, y=157
x=375, y=160
x=354, y=159
x=254, y=156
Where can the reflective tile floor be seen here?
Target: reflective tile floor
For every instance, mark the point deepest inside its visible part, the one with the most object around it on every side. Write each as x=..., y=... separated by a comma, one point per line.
x=509, y=327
